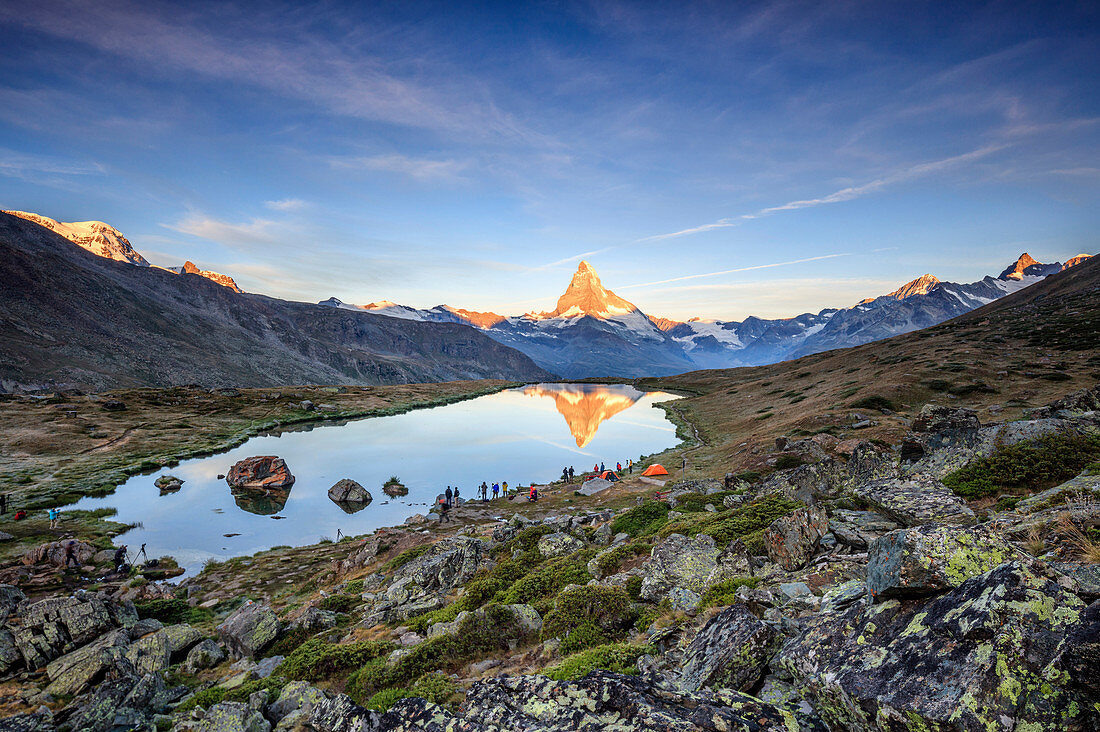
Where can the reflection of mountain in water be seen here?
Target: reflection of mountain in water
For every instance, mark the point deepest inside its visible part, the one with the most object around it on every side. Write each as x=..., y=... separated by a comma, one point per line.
x=586, y=406
x=261, y=501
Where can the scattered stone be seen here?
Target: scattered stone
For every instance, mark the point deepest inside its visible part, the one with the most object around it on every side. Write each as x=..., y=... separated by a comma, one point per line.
x=859, y=528
x=168, y=483
x=249, y=630
x=207, y=654
x=679, y=562
x=791, y=541
x=558, y=544
x=731, y=651
x=266, y=666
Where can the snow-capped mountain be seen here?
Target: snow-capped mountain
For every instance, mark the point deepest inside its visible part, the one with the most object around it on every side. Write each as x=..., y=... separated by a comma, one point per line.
x=594, y=332
x=95, y=236
x=223, y=280
x=106, y=241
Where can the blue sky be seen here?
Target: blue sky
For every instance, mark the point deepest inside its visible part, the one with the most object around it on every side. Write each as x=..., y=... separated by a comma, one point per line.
x=714, y=160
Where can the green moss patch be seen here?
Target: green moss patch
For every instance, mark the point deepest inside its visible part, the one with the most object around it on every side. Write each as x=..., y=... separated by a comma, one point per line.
x=1026, y=467
x=618, y=657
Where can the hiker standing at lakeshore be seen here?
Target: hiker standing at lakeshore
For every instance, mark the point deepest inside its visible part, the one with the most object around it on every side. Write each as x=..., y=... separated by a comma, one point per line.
x=484, y=491
x=70, y=555
x=565, y=475
x=571, y=473
x=456, y=495
x=630, y=466
x=602, y=468
x=504, y=489
x=595, y=468
x=448, y=494
x=120, y=559
x=444, y=507
x=52, y=513
x=618, y=467
x=534, y=494
x=496, y=490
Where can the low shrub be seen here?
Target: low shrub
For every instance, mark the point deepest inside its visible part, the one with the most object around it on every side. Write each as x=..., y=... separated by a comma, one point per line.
x=725, y=592
x=545, y=581
x=171, y=611
x=875, y=401
x=367, y=680
x=784, y=462
x=435, y=687
x=618, y=657
x=641, y=520
x=383, y=700
x=340, y=603
x=473, y=637
x=1027, y=466
x=216, y=694
x=354, y=587
x=405, y=557
x=609, y=561
x=588, y=616
x=746, y=522
x=287, y=642
x=315, y=659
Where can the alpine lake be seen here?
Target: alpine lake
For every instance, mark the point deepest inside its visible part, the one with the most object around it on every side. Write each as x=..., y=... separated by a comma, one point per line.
x=520, y=436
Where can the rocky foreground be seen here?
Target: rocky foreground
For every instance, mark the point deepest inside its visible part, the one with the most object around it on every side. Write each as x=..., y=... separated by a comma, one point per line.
x=877, y=588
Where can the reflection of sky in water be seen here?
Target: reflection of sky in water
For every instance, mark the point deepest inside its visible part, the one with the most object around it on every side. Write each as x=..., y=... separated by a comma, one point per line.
x=507, y=436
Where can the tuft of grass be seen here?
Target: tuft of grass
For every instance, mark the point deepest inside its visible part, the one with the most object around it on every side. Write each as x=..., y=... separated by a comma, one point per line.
x=725, y=592
x=383, y=700
x=1088, y=548
x=405, y=557
x=589, y=616
x=172, y=610
x=875, y=401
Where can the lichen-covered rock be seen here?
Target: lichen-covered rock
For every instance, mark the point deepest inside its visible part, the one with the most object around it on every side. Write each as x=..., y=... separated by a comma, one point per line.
x=10, y=598
x=559, y=544
x=297, y=696
x=679, y=562
x=123, y=701
x=983, y=656
x=868, y=463
x=928, y=559
x=207, y=654
x=262, y=471
x=9, y=652
x=156, y=652
x=598, y=702
x=858, y=529
x=249, y=630
x=447, y=564
x=340, y=714
x=232, y=717
x=732, y=650
x=83, y=667
x=52, y=627
x=38, y=721
x=1081, y=654
x=825, y=479
x=791, y=541
x=915, y=501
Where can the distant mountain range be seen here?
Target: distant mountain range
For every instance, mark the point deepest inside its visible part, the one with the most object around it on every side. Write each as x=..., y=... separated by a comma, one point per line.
x=94, y=316
x=593, y=332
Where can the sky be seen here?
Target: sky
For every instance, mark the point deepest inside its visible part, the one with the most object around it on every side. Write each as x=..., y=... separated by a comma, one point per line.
x=712, y=160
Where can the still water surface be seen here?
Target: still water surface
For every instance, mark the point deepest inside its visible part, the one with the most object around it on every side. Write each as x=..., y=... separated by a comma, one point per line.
x=521, y=435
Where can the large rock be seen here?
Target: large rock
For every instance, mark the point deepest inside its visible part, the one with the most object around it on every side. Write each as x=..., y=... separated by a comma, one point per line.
x=230, y=716
x=808, y=483
x=984, y=656
x=263, y=471
x=859, y=528
x=347, y=490
x=930, y=559
x=297, y=697
x=249, y=630
x=10, y=599
x=791, y=541
x=732, y=650
x=600, y=701
x=207, y=654
x=340, y=714
x=123, y=702
x=1081, y=655
x=156, y=652
x=87, y=665
x=447, y=564
x=56, y=553
x=57, y=625
x=559, y=544
x=915, y=501
x=679, y=562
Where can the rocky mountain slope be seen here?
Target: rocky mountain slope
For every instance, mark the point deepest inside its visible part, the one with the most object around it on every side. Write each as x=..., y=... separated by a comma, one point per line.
x=70, y=317
x=593, y=332
x=107, y=241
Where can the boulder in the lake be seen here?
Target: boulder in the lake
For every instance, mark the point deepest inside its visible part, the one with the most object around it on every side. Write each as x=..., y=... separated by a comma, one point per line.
x=395, y=489
x=262, y=471
x=168, y=483
x=347, y=493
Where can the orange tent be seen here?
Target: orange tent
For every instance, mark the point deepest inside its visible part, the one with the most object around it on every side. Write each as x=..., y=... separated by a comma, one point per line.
x=609, y=475
x=655, y=469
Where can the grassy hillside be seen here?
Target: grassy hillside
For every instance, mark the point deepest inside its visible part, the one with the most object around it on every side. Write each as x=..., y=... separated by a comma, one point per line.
x=1018, y=352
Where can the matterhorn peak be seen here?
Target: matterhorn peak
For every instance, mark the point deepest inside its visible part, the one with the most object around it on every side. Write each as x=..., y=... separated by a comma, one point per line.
x=586, y=295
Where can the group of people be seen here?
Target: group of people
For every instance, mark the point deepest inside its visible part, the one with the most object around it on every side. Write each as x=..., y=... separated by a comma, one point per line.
x=601, y=468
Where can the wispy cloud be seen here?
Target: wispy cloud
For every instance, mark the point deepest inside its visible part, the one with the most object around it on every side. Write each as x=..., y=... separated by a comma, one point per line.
x=286, y=205
x=253, y=232
x=844, y=194
x=424, y=170
x=738, y=269
x=20, y=165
